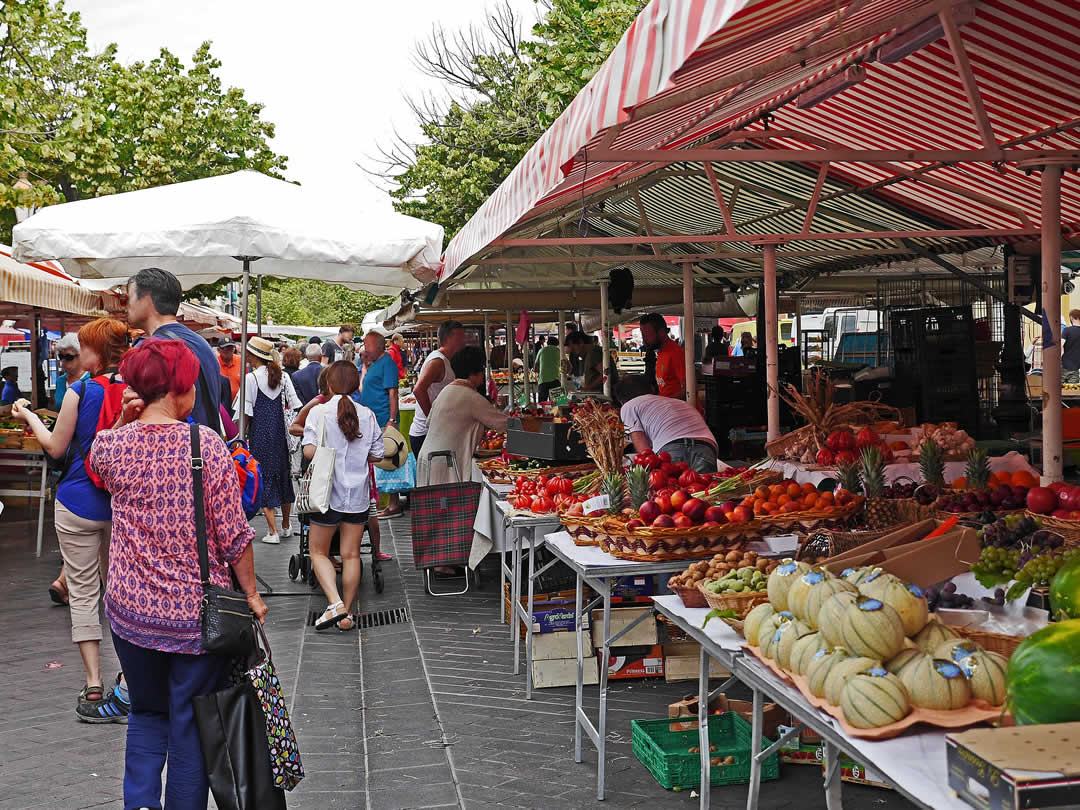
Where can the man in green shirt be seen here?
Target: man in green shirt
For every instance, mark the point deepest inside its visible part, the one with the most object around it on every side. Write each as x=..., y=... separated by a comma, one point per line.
x=547, y=363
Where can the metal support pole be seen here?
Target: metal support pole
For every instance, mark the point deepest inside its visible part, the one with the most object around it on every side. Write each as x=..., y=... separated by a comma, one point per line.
x=688, y=331
x=1051, y=302
x=526, y=359
x=562, y=348
x=604, y=338
x=258, y=306
x=798, y=329
x=771, y=360
x=487, y=355
x=35, y=365
x=509, y=365
x=243, y=345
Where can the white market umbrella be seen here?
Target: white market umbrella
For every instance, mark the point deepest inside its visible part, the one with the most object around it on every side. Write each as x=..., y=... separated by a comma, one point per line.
x=233, y=225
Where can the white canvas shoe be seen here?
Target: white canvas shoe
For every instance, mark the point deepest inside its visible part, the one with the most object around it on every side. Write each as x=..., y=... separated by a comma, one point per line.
x=271, y=539
x=286, y=532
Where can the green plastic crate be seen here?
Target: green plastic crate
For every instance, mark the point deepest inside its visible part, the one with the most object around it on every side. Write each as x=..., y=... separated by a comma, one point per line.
x=666, y=753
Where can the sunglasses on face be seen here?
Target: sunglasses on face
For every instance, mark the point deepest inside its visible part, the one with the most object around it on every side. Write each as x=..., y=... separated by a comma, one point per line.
x=66, y=357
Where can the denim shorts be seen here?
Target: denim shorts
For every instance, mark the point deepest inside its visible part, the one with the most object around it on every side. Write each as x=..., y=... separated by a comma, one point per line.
x=332, y=517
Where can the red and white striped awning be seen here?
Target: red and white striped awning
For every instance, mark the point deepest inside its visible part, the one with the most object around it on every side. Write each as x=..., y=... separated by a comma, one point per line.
x=43, y=286
x=690, y=73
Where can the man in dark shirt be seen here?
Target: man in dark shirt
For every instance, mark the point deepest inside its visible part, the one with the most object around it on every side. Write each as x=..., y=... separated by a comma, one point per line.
x=1070, y=352
x=153, y=301
x=306, y=380
x=334, y=349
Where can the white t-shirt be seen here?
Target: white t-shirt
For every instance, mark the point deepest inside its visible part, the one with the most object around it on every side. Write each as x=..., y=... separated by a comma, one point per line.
x=664, y=420
x=419, y=423
x=261, y=383
x=351, y=492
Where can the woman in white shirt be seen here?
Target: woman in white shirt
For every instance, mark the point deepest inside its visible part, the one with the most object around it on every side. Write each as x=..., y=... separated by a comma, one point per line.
x=353, y=432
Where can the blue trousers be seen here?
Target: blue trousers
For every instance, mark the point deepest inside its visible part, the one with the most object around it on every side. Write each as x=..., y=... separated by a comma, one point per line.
x=161, y=724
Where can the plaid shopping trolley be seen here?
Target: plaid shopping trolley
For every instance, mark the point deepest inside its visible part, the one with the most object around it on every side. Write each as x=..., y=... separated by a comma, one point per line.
x=442, y=523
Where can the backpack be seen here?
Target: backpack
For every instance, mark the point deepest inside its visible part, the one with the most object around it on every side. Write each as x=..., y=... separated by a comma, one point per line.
x=112, y=405
x=249, y=475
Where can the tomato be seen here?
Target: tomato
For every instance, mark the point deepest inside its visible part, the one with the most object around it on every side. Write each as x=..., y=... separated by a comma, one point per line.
x=688, y=479
x=520, y=482
x=566, y=486
x=665, y=458
x=522, y=502
x=542, y=481
x=542, y=504
x=657, y=480
x=552, y=488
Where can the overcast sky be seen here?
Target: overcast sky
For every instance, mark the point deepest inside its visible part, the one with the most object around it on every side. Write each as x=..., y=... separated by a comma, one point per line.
x=332, y=73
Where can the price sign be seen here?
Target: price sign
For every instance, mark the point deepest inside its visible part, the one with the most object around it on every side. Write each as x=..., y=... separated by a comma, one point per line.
x=557, y=395
x=596, y=502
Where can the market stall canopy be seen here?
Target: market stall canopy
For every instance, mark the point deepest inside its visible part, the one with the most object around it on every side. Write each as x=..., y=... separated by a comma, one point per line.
x=28, y=287
x=846, y=133
x=197, y=230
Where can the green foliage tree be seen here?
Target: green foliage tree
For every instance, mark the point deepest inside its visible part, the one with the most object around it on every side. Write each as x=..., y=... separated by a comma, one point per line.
x=302, y=302
x=84, y=125
x=504, y=92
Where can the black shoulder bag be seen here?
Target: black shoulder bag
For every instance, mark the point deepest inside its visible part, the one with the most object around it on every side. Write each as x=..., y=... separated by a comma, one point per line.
x=225, y=615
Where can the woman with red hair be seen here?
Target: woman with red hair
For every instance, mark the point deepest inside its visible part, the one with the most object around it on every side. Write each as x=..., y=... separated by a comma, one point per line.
x=154, y=591
x=83, y=515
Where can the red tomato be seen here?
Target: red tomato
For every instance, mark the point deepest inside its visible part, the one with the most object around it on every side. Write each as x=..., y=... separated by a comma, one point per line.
x=566, y=486
x=542, y=481
x=552, y=488
x=665, y=458
x=657, y=480
x=519, y=483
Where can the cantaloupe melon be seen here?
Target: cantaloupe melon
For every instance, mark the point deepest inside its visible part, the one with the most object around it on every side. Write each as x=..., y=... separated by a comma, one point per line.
x=873, y=699
x=831, y=614
x=874, y=583
x=907, y=600
x=817, y=672
x=985, y=670
x=804, y=651
x=934, y=635
x=800, y=589
x=838, y=676
x=934, y=683
x=856, y=575
x=781, y=579
x=768, y=637
x=907, y=657
x=789, y=633
x=820, y=594
x=753, y=620
x=871, y=628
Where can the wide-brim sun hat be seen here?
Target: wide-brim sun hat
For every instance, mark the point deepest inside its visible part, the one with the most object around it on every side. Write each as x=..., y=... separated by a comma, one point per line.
x=261, y=348
x=395, y=449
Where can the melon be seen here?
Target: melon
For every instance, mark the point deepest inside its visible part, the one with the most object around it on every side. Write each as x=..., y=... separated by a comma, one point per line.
x=812, y=596
x=874, y=583
x=838, y=676
x=768, y=637
x=832, y=612
x=787, y=634
x=906, y=658
x=804, y=650
x=753, y=621
x=821, y=664
x=872, y=629
x=800, y=589
x=856, y=575
x=1065, y=592
x=1044, y=676
x=933, y=636
x=873, y=699
x=908, y=602
x=781, y=579
x=934, y=683
x=985, y=670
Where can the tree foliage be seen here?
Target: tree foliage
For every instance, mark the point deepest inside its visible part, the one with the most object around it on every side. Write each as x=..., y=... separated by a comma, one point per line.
x=83, y=124
x=503, y=92
x=305, y=303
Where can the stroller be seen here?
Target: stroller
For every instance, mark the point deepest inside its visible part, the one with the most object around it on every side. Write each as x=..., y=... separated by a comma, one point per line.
x=300, y=563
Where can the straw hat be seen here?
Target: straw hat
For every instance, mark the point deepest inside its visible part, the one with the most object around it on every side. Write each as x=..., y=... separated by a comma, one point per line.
x=395, y=450
x=262, y=348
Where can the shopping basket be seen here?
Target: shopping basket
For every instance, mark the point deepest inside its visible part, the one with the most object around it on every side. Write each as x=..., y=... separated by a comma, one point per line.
x=442, y=523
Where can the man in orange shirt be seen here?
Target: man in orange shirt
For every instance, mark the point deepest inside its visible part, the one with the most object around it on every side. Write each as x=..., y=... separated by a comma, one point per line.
x=230, y=365
x=670, y=366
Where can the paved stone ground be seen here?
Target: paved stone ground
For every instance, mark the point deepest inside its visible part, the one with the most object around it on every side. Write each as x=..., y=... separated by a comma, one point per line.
x=419, y=714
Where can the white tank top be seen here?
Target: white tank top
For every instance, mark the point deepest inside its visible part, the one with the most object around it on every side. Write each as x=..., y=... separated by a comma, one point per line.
x=419, y=423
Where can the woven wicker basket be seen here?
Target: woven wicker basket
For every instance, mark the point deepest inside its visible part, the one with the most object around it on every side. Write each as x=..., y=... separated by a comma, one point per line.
x=741, y=603
x=691, y=597
x=830, y=542
x=909, y=510
x=810, y=519
x=582, y=529
x=647, y=544
x=1068, y=529
x=991, y=642
x=778, y=448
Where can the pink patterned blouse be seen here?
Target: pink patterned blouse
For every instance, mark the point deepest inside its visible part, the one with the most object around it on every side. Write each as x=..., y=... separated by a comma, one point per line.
x=153, y=594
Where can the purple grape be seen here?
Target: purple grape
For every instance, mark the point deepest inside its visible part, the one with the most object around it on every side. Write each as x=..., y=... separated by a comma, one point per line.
x=950, y=588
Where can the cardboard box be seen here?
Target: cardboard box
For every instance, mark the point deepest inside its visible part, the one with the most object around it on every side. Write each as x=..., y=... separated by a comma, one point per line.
x=907, y=534
x=681, y=659
x=857, y=774
x=644, y=634
x=1016, y=766
x=562, y=644
x=922, y=562
x=635, y=662
x=563, y=672
x=551, y=611
x=631, y=588
x=796, y=752
x=772, y=715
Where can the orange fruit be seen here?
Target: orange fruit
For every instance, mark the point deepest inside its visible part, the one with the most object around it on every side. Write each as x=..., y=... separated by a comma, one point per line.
x=1004, y=477
x=790, y=506
x=769, y=507
x=777, y=489
x=781, y=500
x=810, y=500
x=1022, y=478
x=808, y=488
x=762, y=492
x=825, y=498
x=794, y=490
x=959, y=483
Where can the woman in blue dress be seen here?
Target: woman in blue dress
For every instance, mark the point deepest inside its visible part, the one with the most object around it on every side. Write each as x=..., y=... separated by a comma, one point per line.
x=268, y=393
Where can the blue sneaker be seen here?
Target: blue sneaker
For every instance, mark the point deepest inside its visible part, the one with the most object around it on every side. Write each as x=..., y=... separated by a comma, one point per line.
x=109, y=709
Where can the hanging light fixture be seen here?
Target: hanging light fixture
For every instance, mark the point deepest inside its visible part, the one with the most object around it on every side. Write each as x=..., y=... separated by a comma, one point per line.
x=20, y=186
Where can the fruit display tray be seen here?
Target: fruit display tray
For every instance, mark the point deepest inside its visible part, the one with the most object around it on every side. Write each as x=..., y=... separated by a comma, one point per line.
x=974, y=713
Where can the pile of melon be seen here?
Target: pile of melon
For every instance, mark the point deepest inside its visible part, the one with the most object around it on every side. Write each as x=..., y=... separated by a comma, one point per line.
x=865, y=642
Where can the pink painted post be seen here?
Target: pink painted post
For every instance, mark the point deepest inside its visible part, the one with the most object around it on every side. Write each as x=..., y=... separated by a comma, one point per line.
x=772, y=362
x=1051, y=302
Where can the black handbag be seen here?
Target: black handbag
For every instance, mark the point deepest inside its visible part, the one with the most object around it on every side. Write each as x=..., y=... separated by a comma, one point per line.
x=225, y=615
x=232, y=733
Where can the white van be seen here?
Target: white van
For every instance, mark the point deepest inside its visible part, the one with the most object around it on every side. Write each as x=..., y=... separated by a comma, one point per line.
x=822, y=331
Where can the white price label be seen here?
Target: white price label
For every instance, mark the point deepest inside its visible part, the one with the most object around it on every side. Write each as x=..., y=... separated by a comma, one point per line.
x=596, y=502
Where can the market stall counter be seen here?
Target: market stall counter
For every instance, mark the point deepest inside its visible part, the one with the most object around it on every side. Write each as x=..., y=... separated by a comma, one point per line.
x=1010, y=462
x=32, y=467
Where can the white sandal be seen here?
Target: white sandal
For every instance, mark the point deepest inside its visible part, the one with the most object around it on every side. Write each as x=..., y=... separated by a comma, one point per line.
x=331, y=616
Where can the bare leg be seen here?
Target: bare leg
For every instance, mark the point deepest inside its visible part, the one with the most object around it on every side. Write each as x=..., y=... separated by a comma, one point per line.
x=393, y=505
x=286, y=509
x=91, y=656
x=271, y=519
x=351, y=536
x=373, y=530
x=319, y=547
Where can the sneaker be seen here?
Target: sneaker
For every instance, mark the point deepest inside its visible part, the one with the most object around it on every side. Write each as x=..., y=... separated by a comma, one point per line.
x=110, y=709
x=271, y=539
x=286, y=532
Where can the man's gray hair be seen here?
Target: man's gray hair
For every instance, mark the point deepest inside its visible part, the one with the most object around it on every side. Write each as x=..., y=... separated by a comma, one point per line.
x=68, y=341
x=313, y=351
x=381, y=339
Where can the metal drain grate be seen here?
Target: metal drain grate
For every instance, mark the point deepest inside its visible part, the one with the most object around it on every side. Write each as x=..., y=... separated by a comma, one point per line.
x=383, y=617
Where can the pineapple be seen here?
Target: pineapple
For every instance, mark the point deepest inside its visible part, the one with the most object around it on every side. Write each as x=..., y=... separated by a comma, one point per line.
x=932, y=464
x=613, y=488
x=848, y=478
x=977, y=470
x=637, y=483
x=879, y=511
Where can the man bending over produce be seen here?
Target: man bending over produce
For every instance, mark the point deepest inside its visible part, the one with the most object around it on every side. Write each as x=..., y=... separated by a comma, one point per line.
x=665, y=425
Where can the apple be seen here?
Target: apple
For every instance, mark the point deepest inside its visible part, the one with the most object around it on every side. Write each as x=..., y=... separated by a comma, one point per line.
x=649, y=511
x=657, y=480
x=1062, y=514
x=663, y=503
x=678, y=498
x=715, y=514
x=711, y=523
x=727, y=507
x=663, y=522
x=682, y=521
x=1042, y=500
x=636, y=524
x=740, y=515
x=695, y=509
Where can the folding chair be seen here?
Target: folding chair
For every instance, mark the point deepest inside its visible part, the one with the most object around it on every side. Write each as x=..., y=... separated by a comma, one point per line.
x=442, y=523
